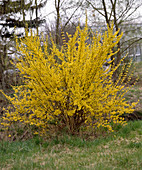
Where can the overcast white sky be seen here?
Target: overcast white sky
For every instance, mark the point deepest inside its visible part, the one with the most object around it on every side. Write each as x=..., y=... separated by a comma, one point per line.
x=49, y=11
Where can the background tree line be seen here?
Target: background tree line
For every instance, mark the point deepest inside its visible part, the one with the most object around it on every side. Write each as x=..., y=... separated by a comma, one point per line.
x=19, y=13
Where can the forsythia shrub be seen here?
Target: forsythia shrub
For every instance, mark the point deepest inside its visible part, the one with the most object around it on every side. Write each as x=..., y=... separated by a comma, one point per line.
x=74, y=92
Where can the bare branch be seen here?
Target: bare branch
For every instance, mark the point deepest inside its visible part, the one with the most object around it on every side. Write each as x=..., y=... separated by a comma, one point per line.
x=98, y=10
x=126, y=10
x=72, y=15
x=130, y=45
x=106, y=14
x=133, y=12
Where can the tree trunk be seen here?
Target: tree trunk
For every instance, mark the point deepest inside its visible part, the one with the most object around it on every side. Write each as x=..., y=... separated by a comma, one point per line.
x=57, y=5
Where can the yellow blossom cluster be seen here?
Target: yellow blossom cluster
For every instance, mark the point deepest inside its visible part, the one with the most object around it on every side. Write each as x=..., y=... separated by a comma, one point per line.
x=69, y=87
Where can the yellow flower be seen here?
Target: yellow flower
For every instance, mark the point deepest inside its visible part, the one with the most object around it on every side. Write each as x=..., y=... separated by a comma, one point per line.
x=69, y=85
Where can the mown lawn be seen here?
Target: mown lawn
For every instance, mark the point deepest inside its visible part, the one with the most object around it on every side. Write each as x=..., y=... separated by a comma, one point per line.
x=120, y=150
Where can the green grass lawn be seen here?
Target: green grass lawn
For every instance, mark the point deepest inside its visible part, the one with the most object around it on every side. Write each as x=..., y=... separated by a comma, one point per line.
x=119, y=150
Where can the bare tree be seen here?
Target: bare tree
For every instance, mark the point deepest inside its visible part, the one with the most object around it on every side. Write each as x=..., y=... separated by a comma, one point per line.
x=123, y=14
x=65, y=13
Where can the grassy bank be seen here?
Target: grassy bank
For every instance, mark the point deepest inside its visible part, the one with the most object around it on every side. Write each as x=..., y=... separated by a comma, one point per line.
x=121, y=150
